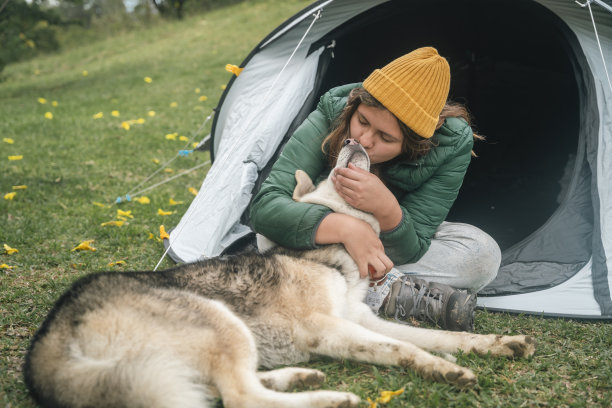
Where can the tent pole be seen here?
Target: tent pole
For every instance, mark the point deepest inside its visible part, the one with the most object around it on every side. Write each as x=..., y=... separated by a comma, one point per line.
x=599, y=2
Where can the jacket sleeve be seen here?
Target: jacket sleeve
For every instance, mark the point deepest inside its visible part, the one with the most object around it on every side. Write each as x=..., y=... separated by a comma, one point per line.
x=425, y=208
x=273, y=211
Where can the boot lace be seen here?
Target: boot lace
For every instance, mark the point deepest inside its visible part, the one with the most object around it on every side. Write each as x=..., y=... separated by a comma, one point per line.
x=425, y=305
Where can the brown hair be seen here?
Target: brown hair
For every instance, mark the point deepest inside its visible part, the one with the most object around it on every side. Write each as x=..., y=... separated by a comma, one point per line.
x=413, y=146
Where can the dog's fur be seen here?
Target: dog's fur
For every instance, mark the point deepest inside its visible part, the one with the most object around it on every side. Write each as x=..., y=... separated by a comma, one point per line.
x=180, y=337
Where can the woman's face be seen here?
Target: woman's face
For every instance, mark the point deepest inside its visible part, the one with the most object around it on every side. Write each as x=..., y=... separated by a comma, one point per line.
x=378, y=131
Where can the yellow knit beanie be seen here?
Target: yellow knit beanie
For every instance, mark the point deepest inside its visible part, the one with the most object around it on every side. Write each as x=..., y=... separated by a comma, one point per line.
x=414, y=88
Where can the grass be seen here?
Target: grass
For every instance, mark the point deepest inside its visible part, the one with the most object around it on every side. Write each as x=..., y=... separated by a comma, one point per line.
x=73, y=160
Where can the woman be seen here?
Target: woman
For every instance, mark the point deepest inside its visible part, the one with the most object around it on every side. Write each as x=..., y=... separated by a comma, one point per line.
x=420, y=148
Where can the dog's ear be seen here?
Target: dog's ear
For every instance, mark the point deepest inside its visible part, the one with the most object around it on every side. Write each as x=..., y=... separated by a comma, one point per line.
x=304, y=185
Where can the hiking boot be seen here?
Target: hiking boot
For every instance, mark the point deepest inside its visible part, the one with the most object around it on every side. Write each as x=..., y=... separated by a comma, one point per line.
x=443, y=305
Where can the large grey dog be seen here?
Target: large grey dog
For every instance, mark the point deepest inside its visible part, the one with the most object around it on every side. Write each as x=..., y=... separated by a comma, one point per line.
x=180, y=337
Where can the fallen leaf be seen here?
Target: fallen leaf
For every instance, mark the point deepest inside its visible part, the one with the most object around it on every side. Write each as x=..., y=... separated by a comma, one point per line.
x=9, y=251
x=162, y=233
x=84, y=246
x=112, y=223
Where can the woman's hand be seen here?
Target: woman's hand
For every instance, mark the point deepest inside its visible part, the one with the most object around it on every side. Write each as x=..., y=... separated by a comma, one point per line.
x=366, y=192
x=360, y=241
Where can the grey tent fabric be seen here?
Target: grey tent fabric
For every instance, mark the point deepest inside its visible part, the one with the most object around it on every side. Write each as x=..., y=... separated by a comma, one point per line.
x=532, y=74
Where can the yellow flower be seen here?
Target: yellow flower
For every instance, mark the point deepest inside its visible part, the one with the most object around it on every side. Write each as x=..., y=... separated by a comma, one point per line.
x=234, y=69
x=121, y=213
x=151, y=113
x=19, y=187
x=54, y=104
x=10, y=251
x=8, y=140
x=42, y=101
x=100, y=204
x=16, y=157
x=183, y=138
x=223, y=87
x=139, y=121
x=10, y=196
x=143, y=200
x=197, y=90
x=148, y=80
x=98, y=115
x=156, y=161
x=372, y=404
x=162, y=212
x=194, y=145
x=162, y=233
x=118, y=263
x=193, y=191
x=173, y=104
x=386, y=396
x=85, y=73
x=168, y=170
x=5, y=266
x=171, y=136
x=84, y=246
x=48, y=115
x=203, y=98
x=125, y=125
x=115, y=113
x=112, y=223
x=151, y=236
x=172, y=202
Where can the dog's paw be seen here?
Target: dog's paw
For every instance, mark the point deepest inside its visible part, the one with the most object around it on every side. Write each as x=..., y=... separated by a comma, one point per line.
x=289, y=378
x=342, y=400
x=459, y=376
x=305, y=377
x=514, y=346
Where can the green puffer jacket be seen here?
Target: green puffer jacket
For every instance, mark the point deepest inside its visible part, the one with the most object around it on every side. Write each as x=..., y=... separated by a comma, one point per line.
x=425, y=189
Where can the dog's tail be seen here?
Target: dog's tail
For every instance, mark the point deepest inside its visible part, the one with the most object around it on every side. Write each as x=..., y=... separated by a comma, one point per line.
x=144, y=379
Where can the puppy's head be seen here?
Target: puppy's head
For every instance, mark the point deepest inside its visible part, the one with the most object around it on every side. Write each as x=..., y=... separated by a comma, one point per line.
x=353, y=152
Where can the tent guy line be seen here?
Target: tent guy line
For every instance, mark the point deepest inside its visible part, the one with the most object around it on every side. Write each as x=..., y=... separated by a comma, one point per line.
x=181, y=153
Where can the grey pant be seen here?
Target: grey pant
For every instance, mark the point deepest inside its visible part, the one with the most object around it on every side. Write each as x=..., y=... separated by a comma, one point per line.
x=460, y=255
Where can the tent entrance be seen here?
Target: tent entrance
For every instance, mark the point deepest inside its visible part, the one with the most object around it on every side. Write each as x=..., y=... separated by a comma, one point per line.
x=520, y=89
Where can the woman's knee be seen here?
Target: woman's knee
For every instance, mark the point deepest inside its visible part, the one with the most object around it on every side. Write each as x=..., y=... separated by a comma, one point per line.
x=480, y=255
x=486, y=257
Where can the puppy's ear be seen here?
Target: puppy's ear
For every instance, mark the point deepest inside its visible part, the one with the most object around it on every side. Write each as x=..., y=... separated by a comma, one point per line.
x=304, y=185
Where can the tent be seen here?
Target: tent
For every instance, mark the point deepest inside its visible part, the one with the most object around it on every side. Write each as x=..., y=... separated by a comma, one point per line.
x=532, y=73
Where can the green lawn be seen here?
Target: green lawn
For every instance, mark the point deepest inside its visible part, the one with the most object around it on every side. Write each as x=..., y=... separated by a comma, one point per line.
x=73, y=160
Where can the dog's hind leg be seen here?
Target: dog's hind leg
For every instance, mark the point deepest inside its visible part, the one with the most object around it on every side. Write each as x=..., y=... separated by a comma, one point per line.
x=341, y=338
x=288, y=378
x=445, y=341
x=231, y=365
x=244, y=390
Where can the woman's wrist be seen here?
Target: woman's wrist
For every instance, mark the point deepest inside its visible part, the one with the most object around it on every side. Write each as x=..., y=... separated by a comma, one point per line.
x=389, y=215
x=331, y=229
